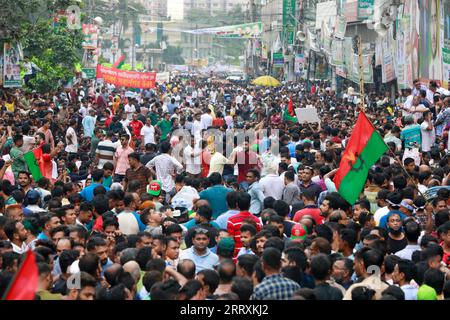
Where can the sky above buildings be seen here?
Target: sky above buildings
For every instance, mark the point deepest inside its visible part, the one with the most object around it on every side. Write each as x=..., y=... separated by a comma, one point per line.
x=175, y=9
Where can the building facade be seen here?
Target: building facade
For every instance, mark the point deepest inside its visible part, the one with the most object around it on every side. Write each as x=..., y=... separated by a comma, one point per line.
x=213, y=6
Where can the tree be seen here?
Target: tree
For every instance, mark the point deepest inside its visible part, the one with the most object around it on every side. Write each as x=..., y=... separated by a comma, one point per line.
x=55, y=54
x=29, y=22
x=172, y=55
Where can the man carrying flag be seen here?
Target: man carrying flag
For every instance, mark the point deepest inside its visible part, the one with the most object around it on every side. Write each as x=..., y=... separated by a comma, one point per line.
x=363, y=150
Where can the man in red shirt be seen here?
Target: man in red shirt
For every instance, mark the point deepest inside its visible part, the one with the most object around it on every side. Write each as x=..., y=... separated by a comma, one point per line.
x=310, y=209
x=235, y=221
x=445, y=236
x=219, y=120
x=136, y=125
x=246, y=160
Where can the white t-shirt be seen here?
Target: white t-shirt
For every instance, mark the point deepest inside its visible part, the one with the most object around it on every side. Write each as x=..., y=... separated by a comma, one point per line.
x=272, y=185
x=193, y=164
x=148, y=133
x=71, y=136
x=83, y=111
x=129, y=110
x=206, y=121
x=197, y=129
x=428, y=137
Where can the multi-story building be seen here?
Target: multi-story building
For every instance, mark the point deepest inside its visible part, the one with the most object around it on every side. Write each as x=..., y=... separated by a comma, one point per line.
x=213, y=6
x=155, y=10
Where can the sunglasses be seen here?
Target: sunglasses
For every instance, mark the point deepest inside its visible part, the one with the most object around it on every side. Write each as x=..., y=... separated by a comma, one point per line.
x=201, y=231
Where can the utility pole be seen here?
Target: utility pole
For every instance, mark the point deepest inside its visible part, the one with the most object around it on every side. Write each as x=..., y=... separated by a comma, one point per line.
x=361, y=73
x=253, y=19
x=196, y=44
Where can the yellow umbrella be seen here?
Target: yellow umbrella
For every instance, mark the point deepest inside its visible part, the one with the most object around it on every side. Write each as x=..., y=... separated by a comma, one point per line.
x=266, y=81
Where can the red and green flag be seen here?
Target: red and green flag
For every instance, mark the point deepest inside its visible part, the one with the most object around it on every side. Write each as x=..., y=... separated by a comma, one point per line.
x=364, y=149
x=25, y=283
x=120, y=62
x=289, y=113
x=32, y=161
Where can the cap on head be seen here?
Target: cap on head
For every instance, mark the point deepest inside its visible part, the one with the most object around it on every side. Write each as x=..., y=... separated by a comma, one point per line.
x=299, y=232
x=154, y=188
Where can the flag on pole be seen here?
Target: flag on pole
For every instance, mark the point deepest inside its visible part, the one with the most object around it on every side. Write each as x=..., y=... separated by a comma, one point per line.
x=25, y=282
x=289, y=113
x=32, y=161
x=120, y=62
x=364, y=148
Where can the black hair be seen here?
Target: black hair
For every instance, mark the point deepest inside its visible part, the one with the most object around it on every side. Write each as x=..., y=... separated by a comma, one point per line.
x=189, y=290
x=362, y=293
x=281, y=208
x=297, y=256
x=320, y=266
x=247, y=262
x=150, y=278
x=89, y=263
x=272, y=258
x=349, y=236
x=243, y=287
x=412, y=231
x=243, y=201
x=435, y=279
x=324, y=231
x=408, y=268
x=143, y=256
x=389, y=263
x=395, y=292
x=66, y=258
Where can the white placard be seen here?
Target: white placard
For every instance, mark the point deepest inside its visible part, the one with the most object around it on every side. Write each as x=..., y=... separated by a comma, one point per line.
x=308, y=114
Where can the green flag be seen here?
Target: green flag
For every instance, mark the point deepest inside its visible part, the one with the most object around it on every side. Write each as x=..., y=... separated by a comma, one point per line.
x=33, y=166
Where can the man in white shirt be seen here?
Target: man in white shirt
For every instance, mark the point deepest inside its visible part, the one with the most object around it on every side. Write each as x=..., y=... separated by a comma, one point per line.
x=166, y=166
x=206, y=119
x=194, y=94
x=130, y=109
x=197, y=126
x=417, y=109
x=272, y=185
x=239, y=98
x=428, y=132
x=191, y=157
x=17, y=234
x=213, y=96
x=83, y=109
x=71, y=137
x=148, y=132
x=124, y=121
x=417, y=87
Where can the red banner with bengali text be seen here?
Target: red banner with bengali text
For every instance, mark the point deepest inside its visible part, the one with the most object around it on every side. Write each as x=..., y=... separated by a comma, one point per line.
x=129, y=79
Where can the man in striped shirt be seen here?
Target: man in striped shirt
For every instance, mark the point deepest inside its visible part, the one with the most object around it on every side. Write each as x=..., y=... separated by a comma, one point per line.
x=106, y=150
x=235, y=222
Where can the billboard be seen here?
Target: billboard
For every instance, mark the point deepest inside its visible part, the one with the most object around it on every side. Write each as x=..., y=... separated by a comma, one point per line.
x=11, y=66
x=430, y=45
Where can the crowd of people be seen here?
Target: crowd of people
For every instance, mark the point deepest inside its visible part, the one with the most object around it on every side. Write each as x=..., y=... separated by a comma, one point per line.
x=198, y=189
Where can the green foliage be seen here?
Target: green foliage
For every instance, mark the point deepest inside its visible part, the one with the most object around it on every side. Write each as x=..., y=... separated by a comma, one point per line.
x=55, y=54
x=172, y=55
